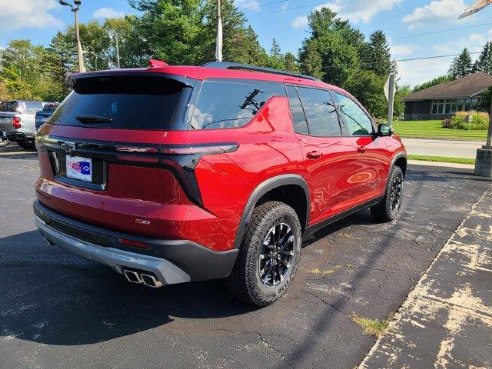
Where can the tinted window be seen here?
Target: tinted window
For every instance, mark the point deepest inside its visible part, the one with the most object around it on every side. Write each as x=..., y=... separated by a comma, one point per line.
x=130, y=102
x=320, y=111
x=10, y=106
x=300, y=124
x=358, y=123
x=224, y=104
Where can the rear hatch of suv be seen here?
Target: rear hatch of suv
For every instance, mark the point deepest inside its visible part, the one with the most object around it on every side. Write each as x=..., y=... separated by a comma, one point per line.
x=100, y=152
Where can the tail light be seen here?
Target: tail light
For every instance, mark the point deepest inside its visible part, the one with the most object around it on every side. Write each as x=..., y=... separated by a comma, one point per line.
x=16, y=122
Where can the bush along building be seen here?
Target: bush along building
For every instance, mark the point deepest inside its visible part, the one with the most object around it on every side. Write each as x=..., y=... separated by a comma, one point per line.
x=444, y=100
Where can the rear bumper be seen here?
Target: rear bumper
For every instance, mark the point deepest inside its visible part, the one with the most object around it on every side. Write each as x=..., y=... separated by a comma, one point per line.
x=172, y=261
x=19, y=136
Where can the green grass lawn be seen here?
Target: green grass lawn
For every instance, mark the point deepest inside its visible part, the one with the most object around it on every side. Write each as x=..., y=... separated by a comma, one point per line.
x=441, y=159
x=433, y=129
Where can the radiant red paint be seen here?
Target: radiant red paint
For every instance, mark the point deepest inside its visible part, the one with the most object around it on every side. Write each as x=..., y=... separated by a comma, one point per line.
x=341, y=172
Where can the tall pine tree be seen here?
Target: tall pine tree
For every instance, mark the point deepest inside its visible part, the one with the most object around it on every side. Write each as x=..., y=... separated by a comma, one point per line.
x=484, y=61
x=461, y=65
x=377, y=56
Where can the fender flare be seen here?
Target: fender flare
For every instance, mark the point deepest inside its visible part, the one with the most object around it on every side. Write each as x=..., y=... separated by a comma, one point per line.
x=260, y=191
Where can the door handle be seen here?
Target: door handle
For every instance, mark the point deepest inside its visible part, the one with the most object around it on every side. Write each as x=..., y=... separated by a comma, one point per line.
x=314, y=155
x=362, y=149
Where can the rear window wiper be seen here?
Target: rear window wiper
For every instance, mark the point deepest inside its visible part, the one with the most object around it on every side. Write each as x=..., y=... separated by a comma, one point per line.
x=93, y=119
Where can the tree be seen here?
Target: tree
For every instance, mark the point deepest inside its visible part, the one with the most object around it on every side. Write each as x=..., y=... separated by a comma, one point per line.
x=24, y=73
x=368, y=87
x=401, y=93
x=240, y=42
x=291, y=63
x=331, y=53
x=484, y=61
x=377, y=57
x=276, y=58
x=171, y=29
x=434, y=82
x=461, y=65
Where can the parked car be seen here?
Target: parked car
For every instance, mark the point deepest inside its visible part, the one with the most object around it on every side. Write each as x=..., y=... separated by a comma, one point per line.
x=174, y=174
x=17, y=120
x=42, y=116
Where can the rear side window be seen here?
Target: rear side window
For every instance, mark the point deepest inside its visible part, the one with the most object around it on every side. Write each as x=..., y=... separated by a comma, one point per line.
x=9, y=106
x=357, y=121
x=300, y=124
x=321, y=112
x=227, y=104
x=123, y=102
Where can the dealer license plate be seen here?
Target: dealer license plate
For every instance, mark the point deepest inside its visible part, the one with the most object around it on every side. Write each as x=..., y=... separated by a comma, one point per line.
x=79, y=168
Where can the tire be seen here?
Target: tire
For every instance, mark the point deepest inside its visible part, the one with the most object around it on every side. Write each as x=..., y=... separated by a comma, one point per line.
x=4, y=143
x=26, y=145
x=277, y=267
x=388, y=209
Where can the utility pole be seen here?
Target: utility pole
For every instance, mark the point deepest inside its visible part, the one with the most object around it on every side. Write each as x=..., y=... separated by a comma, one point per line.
x=218, y=47
x=117, y=50
x=75, y=10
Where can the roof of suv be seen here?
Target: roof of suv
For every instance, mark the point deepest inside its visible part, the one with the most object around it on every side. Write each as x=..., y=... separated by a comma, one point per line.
x=209, y=72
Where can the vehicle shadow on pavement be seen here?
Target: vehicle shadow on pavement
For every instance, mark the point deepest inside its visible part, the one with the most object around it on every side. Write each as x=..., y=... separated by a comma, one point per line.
x=58, y=299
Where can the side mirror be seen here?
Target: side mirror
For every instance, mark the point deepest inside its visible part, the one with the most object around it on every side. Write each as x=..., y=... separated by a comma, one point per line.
x=384, y=130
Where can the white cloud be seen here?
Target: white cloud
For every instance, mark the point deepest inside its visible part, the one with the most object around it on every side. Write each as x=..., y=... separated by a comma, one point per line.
x=358, y=11
x=300, y=21
x=248, y=4
x=403, y=50
x=107, y=13
x=435, y=11
x=474, y=42
x=19, y=14
x=419, y=71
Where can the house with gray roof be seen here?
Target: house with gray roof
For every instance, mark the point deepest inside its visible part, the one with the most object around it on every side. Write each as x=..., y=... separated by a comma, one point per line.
x=443, y=100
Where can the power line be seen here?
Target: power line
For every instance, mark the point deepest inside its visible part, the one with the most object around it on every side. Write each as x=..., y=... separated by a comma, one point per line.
x=433, y=57
x=442, y=31
x=286, y=10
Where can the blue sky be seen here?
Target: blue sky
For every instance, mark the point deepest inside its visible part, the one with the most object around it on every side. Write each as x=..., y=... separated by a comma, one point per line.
x=415, y=28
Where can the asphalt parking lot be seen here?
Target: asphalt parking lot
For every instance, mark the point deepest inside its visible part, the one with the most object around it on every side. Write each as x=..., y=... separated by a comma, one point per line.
x=57, y=310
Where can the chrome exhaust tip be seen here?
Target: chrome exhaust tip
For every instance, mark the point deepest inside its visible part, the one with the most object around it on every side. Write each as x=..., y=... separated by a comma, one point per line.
x=150, y=281
x=132, y=276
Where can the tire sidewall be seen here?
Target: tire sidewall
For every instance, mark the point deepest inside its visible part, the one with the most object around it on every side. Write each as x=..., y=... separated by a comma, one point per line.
x=395, y=172
x=280, y=214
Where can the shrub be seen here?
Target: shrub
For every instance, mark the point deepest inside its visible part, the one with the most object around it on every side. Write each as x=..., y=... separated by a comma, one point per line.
x=467, y=120
x=446, y=123
x=479, y=121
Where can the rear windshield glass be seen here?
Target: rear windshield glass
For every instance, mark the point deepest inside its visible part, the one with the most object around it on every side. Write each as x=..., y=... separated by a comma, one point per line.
x=33, y=106
x=226, y=104
x=9, y=106
x=124, y=102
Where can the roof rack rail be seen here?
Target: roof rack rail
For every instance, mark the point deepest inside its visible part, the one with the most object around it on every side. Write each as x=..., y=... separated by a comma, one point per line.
x=252, y=68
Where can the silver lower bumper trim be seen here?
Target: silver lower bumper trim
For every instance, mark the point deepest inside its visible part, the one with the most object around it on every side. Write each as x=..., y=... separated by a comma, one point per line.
x=164, y=270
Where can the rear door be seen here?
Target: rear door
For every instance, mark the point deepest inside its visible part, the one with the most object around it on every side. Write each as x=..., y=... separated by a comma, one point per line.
x=326, y=158
x=368, y=172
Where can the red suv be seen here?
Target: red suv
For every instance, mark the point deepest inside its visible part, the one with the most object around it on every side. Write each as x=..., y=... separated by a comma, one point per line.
x=174, y=174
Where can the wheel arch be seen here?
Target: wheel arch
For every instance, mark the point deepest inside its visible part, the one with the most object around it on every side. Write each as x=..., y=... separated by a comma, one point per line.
x=277, y=188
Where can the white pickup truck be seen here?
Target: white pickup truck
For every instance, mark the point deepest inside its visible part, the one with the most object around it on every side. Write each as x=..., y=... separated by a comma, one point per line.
x=17, y=121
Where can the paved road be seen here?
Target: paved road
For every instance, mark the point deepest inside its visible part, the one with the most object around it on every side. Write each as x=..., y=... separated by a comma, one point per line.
x=457, y=149
x=446, y=321
x=59, y=311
